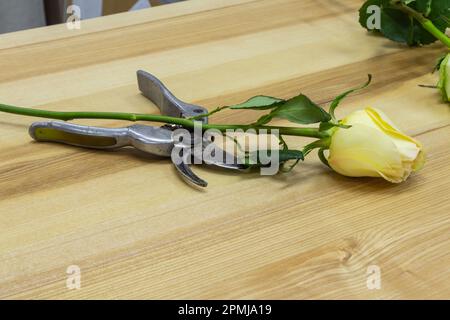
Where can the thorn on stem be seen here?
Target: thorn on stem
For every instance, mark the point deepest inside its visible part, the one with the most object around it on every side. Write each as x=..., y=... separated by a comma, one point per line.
x=427, y=86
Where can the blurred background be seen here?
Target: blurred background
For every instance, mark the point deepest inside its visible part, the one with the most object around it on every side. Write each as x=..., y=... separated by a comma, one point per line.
x=18, y=15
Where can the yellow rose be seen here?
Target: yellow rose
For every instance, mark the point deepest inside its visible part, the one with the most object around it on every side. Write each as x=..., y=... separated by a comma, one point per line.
x=444, y=78
x=374, y=147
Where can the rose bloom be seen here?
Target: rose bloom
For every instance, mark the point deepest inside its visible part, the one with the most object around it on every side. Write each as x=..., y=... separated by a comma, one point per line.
x=374, y=147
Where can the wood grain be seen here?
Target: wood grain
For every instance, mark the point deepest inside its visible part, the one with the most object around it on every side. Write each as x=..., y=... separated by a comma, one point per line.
x=137, y=231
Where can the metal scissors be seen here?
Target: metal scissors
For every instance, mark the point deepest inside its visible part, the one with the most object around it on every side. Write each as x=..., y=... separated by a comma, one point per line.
x=158, y=141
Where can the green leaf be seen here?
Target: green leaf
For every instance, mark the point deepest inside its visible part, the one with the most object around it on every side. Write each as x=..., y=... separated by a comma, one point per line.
x=286, y=155
x=324, y=126
x=446, y=20
x=265, y=119
x=440, y=14
x=340, y=97
x=398, y=26
x=424, y=6
x=300, y=109
x=364, y=16
x=258, y=103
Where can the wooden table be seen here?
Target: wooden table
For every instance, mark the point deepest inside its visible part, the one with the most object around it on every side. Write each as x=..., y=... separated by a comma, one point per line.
x=136, y=230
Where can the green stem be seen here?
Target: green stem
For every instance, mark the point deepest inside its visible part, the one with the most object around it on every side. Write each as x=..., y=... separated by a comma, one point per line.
x=187, y=123
x=322, y=157
x=323, y=144
x=426, y=23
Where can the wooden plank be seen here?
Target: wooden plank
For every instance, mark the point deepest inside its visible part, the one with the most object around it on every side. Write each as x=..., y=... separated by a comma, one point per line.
x=158, y=37
x=144, y=234
x=118, y=20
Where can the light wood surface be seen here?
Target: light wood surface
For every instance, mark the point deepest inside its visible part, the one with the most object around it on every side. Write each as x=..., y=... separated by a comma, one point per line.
x=136, y=230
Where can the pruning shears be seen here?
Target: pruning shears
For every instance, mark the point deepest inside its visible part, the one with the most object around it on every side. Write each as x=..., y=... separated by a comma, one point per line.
x=154, y=140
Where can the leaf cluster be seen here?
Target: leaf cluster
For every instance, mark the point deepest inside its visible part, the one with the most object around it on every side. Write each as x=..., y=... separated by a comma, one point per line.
x=299, y=110
x=398, y=25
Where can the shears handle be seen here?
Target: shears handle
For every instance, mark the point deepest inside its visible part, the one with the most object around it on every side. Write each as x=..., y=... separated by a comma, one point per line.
x=82, y=136
x=154, y=140
x=153, y=89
